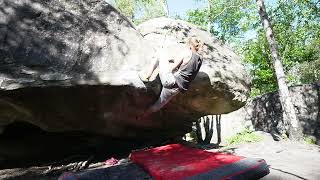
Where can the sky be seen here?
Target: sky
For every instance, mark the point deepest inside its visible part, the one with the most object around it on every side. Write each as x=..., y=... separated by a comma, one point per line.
x=180, y=7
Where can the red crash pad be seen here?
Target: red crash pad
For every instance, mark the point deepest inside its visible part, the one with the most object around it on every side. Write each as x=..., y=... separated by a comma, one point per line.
x=175, y=161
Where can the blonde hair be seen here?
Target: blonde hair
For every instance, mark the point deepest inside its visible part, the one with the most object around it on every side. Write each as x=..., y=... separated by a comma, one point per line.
x=196, y=43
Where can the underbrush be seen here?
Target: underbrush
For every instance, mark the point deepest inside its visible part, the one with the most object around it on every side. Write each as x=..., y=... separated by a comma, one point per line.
x=245, y=136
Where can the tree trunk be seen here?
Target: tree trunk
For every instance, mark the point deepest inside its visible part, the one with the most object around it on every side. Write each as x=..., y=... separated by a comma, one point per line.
x=208, y=126
x=218, y=127
x=204, y=129
x=199, y=131
x=208, y=16
x=289, y=115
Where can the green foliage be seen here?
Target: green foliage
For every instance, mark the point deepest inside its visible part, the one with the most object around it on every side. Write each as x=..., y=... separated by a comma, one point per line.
x=309, y=140
x=245, y=136
x=191, y=137
x=126, y=7
x=228, y=20
x=198, y=17
x=310, y=71
x=296, y=27
x=256, y=54
x=149, y=10
x=296, y=30
x=141, y=10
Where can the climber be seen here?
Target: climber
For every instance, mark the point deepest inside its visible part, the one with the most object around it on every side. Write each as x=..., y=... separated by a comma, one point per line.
x=175, y=74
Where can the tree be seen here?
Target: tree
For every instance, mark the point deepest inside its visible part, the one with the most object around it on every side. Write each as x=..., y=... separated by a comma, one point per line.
x=208, y=130
x=164, y=5
x=223, y=18
x=151, y=9
x=290, y=118
x=205, y=128
x=310, y=71
x=296, y=26
x=127, y=7
x=142, y=10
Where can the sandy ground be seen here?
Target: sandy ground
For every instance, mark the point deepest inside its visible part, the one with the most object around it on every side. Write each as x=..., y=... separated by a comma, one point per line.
x=287, y=160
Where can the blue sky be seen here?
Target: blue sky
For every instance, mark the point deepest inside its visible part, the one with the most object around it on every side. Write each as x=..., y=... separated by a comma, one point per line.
x=180, y=7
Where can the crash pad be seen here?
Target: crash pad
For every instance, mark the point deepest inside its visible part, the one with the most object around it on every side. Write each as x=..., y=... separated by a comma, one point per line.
x=176, y=161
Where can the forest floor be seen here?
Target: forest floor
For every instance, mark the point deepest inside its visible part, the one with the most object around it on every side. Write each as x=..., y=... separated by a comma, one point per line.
x=287, y=160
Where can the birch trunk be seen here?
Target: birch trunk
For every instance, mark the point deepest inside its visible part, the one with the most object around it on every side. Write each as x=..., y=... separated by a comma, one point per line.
x=289, y=116
x=209, y=19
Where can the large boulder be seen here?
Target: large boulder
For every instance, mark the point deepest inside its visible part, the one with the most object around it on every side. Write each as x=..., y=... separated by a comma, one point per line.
x=266, y=114
x=222, y=85
x=69, y=65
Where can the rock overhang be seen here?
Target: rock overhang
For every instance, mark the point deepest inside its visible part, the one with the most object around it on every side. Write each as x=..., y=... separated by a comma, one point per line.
x=94, y=86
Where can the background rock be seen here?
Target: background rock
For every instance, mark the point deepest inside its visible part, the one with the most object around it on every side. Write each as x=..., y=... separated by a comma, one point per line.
x=264, y=113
